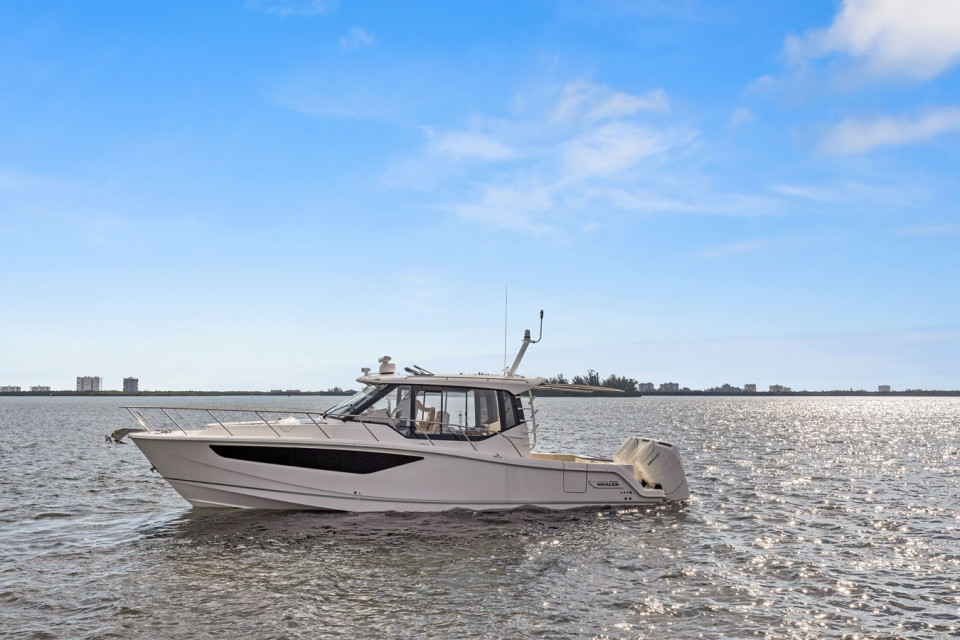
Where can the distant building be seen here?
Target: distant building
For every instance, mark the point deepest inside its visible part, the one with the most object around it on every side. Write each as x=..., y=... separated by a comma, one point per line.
x=646, y=387
x=884, y=388
x=779, y=388
x=88, y=383
x=131, y=385
x=749, y=388
x=39, y=389
x=725, y=388
x=669, y=387
x=9, y=389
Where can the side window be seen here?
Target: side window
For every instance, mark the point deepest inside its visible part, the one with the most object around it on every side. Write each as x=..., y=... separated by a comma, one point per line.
x=429, y=410
x=389, y=406
x=509, y=410
x=487, y=412
x=458, y=407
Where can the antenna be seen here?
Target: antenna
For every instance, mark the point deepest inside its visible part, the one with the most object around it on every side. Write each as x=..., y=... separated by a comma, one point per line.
x=505, y=292
x=526, y=343
x=540, y=337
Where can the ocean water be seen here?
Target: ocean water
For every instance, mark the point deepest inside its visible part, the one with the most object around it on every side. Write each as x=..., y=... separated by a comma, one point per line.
x=810, y=518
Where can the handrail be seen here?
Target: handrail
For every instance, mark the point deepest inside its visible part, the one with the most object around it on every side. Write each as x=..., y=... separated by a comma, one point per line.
x=372, y=434
x=263, y=418
x=533, y=421
x=318, y=425
x=441, y=424
x=174, y=420
x=267, y=422
x=139, y=418
x=210, y=411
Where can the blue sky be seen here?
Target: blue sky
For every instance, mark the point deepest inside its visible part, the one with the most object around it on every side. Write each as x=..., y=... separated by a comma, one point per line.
x=259, y=194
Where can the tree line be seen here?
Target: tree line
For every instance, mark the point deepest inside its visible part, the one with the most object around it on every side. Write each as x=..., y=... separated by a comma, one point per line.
x=629, y=386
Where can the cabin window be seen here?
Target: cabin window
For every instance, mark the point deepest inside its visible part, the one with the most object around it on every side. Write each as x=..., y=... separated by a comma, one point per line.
x=395, y=404
x=429, y=410
x=509, y=403
x=457, y=412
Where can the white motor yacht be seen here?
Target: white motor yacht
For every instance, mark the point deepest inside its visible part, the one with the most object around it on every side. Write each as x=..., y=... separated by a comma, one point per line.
x=416, y=442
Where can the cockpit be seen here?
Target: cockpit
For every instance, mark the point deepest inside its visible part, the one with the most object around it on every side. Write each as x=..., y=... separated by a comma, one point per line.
x=435, y=412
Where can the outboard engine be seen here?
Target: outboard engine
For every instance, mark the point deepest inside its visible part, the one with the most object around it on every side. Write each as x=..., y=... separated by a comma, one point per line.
x=655, y=464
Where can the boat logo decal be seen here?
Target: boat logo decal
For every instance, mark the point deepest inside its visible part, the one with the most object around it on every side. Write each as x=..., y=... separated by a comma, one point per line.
x=606, y=484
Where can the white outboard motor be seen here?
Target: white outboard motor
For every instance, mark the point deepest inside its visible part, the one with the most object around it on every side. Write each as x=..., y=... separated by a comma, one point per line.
x=656, y=464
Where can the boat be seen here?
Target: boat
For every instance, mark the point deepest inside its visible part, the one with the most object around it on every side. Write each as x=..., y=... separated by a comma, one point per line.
x=411, y=442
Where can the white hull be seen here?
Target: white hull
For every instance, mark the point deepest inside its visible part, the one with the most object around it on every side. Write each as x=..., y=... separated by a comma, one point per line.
x=422, y=442
x=436, y=479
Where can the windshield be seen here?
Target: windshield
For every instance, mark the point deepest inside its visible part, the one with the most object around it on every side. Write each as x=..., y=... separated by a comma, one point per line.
x=349, y=406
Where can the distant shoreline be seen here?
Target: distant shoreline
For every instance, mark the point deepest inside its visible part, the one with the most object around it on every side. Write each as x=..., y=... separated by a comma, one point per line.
x=176, y=393
x=543, y=394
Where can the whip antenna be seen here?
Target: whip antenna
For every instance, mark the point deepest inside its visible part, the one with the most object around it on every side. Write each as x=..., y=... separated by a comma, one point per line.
x=505, y=292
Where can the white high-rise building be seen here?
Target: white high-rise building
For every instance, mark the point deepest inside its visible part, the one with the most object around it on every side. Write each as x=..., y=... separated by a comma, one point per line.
x=88, y=383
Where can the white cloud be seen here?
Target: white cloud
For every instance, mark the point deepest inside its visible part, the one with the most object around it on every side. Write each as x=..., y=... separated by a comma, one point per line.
x=732, y=249
x=856, y=136
x=468, y=144
x=943, y=229
x=682, y=198
x=614, y=148
x=513, y=206
x=583, y=101
x=740, y=116
x=24, y=182
x=918, y=39
x=356, y=38
x=284, y=8
x=547, y=169
x=888, y=193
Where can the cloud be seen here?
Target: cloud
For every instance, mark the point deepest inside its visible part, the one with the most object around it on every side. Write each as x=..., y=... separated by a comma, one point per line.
x=943, y=229
x=732, y=249
x=891, y=193
x=918, y=39
x=571, y=155
x=614, y=148
x=355, y=39
x=857, y=136
x=468, y=144
x=740, y=116
x=284, y=8
x=14, y=181
x=583, y=101
x=511, y=206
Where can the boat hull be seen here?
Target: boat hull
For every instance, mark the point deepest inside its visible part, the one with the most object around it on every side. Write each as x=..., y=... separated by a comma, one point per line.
x=358, y=476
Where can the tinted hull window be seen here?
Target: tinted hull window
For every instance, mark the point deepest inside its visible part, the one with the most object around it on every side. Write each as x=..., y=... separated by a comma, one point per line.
x=344, y=461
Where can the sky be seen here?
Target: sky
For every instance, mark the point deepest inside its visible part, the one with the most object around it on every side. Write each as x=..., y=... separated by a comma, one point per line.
x=271, y=194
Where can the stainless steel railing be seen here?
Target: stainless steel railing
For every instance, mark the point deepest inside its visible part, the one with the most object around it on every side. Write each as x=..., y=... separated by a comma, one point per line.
x=163, y=419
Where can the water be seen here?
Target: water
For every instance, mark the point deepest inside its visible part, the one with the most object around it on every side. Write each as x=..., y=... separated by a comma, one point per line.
x=810, y=517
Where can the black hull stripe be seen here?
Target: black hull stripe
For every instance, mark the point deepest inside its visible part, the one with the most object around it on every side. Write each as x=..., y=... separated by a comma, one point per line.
x=340, y=460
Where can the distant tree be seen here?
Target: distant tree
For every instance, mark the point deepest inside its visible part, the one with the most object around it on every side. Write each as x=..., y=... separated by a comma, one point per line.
x=628, y=385
x=592, y=379
x=558, y=379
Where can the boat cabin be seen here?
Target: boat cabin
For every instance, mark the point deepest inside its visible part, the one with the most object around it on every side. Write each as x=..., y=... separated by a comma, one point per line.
x=418, y=408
